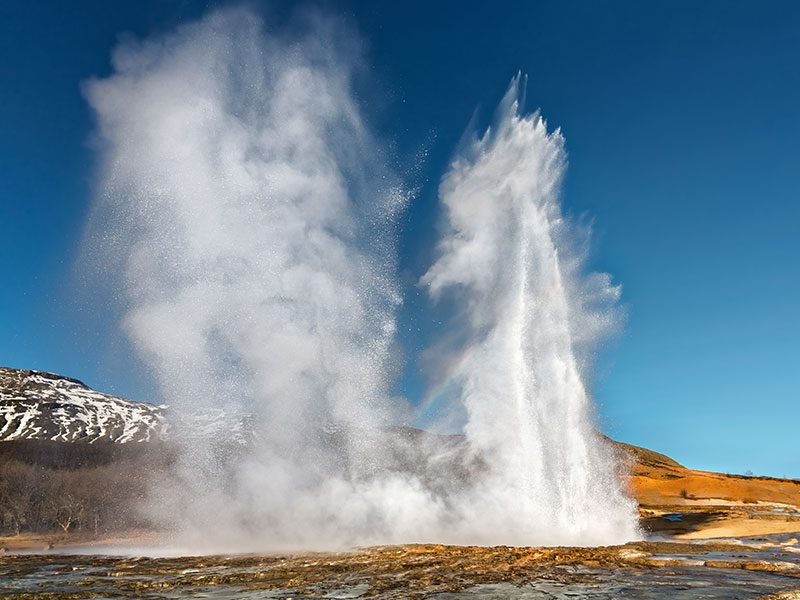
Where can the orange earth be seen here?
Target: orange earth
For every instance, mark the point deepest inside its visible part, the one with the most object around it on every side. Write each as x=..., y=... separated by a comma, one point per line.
x=690, y=504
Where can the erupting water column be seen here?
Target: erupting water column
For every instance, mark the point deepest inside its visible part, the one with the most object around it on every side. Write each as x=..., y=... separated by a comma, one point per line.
x=532, y=317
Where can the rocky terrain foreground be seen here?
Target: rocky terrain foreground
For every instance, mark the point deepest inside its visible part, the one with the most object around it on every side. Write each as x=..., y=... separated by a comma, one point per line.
x=767, y=569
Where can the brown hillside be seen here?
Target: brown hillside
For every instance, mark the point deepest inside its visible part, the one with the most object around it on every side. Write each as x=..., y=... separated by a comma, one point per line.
x=674, y=500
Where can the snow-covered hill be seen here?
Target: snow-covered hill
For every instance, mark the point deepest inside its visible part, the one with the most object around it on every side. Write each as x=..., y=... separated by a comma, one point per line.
x=35, y=405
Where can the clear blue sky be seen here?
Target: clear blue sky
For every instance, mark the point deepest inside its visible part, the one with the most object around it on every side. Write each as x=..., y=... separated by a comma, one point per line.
x=682, y=123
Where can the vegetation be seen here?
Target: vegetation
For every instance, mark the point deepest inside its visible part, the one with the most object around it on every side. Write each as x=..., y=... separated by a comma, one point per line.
x=73, y=487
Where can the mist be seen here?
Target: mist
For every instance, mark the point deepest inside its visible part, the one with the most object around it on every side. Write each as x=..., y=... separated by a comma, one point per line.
x=249, y=215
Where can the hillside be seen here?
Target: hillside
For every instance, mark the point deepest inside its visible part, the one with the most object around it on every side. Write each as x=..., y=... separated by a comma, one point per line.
x=35, y=405
x=60, y=439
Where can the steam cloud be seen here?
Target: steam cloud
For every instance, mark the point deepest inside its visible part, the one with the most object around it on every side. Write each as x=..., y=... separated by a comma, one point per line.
x=245, y=203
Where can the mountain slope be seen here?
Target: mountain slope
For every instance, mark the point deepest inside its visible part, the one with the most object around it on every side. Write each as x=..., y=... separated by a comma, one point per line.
x=40, y=407
x=55, y=430
x=35, y=405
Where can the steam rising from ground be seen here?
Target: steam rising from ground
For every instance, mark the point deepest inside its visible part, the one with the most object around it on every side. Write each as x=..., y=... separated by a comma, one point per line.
x=246, y=205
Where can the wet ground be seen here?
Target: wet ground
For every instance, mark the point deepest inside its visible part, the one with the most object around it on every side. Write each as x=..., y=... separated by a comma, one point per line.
x=749, y=568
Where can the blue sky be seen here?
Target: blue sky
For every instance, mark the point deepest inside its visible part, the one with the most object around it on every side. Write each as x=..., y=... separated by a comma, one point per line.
x=682, y=128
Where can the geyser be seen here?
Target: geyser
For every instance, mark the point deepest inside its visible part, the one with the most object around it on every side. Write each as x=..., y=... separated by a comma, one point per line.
x=253, y=224
x=532, y=319
x=246, y=207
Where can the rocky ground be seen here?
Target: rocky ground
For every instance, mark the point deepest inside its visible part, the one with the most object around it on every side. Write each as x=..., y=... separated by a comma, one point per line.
x=636, y=570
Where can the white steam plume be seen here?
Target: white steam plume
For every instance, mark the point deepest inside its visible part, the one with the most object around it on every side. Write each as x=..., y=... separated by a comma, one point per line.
x=531, y=317
x=246, y=205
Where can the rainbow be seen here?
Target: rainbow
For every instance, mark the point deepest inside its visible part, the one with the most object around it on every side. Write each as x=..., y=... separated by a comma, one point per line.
x=441, y=395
